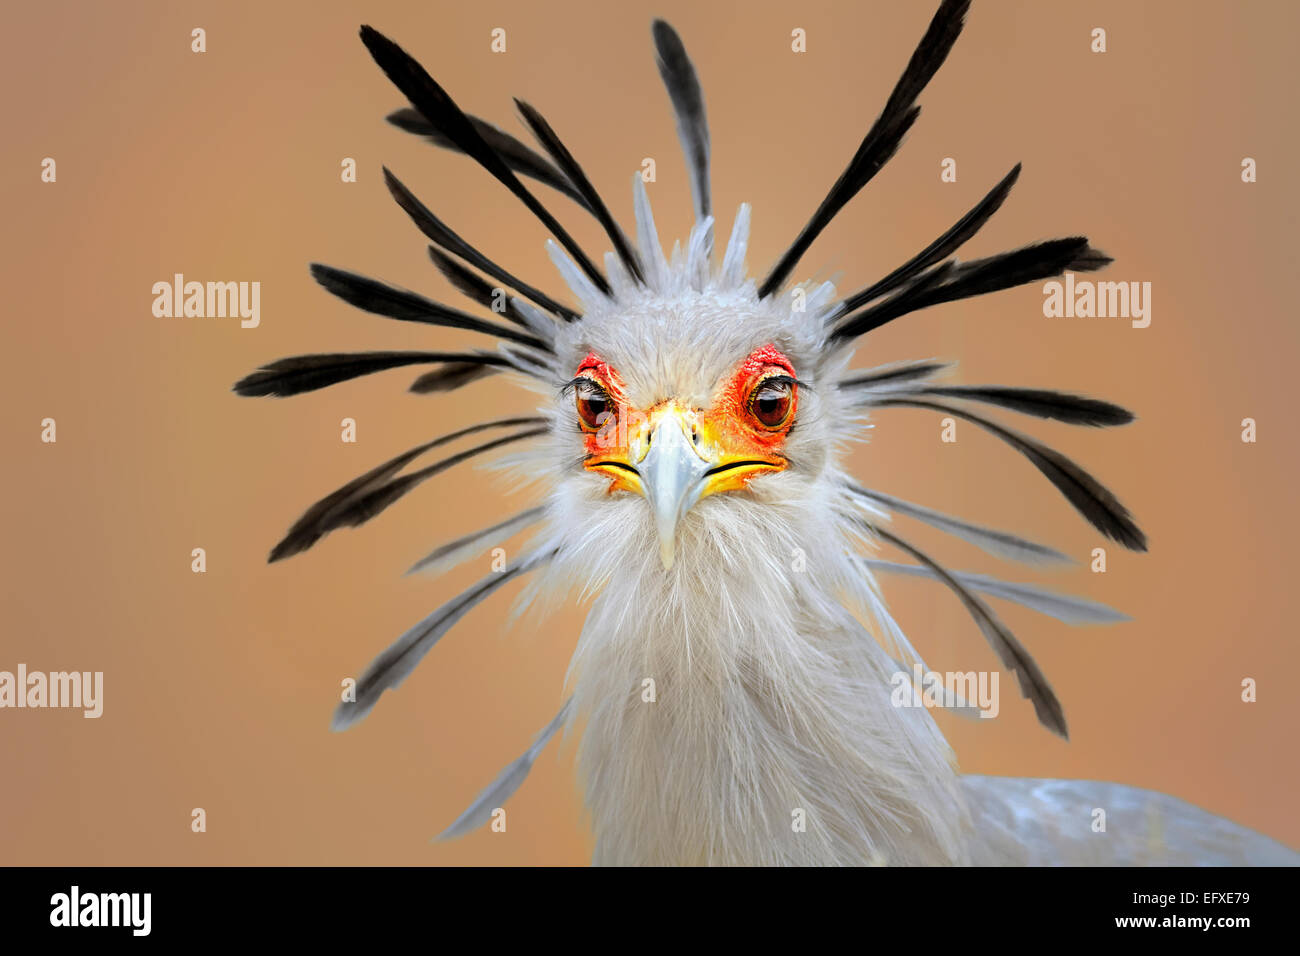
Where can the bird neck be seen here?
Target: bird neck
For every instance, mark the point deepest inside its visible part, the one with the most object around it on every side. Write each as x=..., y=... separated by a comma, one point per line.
x=751, y=723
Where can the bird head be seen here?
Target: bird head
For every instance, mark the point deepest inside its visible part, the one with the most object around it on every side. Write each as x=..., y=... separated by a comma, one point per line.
x=707, y=407
x=676, y=450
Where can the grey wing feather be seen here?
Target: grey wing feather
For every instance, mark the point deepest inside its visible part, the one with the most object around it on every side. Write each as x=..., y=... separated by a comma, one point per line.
x=394, y=665
x=1063, y=607
x=1031, y=822
x=466, y=547
x=506, y=783
x=1000, y=544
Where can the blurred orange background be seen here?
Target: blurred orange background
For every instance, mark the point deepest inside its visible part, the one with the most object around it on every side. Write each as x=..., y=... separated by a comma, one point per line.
x=225, y=165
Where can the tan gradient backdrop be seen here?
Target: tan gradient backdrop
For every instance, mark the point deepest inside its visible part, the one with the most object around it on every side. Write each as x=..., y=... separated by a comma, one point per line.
x=225, y=166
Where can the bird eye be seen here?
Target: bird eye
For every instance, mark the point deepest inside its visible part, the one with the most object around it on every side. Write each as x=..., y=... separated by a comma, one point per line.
x=772, y=401
x=593, y=404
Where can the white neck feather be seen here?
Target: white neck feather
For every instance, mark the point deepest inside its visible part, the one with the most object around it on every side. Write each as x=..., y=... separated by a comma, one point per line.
x=770, y=738
x=736, y=712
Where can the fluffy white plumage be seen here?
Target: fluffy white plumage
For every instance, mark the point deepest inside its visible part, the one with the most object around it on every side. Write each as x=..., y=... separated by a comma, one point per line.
x=733, y=680
x=772, y=703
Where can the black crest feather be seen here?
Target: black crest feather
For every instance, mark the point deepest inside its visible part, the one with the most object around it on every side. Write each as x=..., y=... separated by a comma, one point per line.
x=474, y=286
x=306, y=373
x=894, y=375
x=944, y=246
x=517, y=156
x=382, y=299
x=1014, y=656
x=884, y=137
x=952, y=280
x=450, y=377
x=1042, y=402
x=436, y=230
x=365, y=496
x=569, y=166
x=439, y=109
x=1096, y=503
x=687, y=96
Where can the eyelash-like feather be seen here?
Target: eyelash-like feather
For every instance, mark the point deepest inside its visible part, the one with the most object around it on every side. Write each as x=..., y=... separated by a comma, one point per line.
x=778, y=380
x=583, y=380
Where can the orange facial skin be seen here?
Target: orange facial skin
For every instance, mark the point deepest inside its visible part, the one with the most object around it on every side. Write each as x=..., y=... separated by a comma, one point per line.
x=730, y=435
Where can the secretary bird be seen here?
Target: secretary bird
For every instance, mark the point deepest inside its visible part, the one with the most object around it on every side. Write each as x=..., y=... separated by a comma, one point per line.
x=690, y=440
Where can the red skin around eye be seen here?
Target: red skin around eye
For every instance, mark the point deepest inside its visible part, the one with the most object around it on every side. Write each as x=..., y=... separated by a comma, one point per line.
x=604, y=374
x=600, y=371
x=729, y=419
x=731, y=414
x=761, y=359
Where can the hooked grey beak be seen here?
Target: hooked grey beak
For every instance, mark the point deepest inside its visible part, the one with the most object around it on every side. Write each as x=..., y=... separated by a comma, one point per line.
x=672, y=474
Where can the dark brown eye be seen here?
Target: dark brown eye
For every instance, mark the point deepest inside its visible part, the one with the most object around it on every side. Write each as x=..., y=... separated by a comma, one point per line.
x=772, y=402
x=593, y=404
